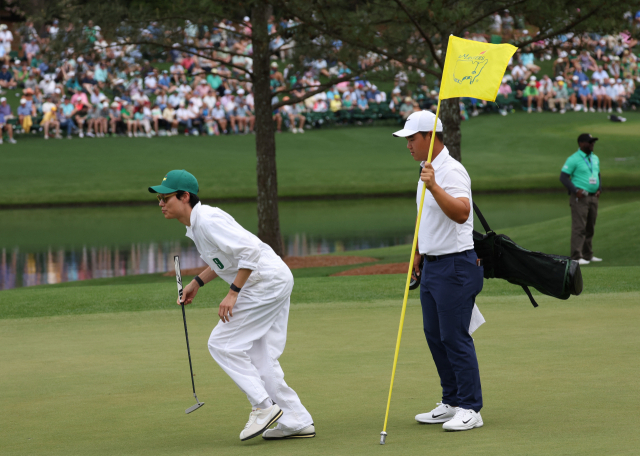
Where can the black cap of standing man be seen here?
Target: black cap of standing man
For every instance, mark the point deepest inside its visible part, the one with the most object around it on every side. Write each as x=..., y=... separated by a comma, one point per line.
x=586, y=138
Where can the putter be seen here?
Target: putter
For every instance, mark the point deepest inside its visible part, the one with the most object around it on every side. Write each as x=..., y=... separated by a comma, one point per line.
x=176, y=260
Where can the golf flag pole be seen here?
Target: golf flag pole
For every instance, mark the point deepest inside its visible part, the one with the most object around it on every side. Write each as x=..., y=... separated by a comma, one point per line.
x=471, y=69
x=383, y=434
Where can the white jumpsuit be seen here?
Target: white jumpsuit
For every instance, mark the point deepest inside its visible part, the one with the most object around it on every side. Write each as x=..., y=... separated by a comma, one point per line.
x=248, y=347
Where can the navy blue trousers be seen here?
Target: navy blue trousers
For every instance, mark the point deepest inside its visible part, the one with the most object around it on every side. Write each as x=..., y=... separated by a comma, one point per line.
x=448, y=290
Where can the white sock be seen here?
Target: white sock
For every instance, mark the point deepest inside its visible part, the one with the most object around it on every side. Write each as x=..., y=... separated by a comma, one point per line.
x=264, y=404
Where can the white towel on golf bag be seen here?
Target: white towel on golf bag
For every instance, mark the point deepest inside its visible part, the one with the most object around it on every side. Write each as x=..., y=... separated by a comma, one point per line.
x=476, y=319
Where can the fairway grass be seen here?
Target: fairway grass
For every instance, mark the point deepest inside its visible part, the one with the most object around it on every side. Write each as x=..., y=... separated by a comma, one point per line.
x=155, y=292
x=517, y=152
x=118, y=383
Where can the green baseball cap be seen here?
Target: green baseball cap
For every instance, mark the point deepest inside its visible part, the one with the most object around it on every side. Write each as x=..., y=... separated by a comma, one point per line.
x=176, y=180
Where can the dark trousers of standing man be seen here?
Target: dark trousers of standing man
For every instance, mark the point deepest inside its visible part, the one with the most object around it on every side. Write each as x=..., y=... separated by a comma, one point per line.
x=584, y=212
x=448, y=290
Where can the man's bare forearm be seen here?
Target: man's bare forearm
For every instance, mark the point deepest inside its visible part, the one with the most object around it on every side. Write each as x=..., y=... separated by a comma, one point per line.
x=207, y=275
x=242, y=277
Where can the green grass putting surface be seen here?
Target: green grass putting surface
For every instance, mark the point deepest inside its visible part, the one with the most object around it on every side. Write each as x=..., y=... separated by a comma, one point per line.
x=155, y=292
x=106, y=384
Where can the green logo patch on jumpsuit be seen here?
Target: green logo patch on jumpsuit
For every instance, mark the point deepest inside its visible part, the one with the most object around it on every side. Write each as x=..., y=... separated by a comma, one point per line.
x=218, y=263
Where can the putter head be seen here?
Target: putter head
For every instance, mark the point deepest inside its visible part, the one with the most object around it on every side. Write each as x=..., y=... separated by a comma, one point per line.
x=194, y=407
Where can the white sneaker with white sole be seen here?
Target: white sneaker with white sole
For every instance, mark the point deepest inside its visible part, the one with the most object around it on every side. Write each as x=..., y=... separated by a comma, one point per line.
x=464, y=420
x=259, y=421
x=281, y=432
x=441, y=414
x=582, y=261
x=596, y=259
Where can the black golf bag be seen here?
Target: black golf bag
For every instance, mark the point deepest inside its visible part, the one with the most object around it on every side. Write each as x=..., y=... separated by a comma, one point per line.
x=553, y=275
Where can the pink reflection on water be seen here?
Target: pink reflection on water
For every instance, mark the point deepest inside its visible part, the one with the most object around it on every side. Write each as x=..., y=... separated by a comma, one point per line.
x=55, y=266
x=29, y=269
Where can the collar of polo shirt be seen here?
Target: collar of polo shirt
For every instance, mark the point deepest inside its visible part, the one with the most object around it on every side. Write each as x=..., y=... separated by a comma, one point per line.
x=194, y=215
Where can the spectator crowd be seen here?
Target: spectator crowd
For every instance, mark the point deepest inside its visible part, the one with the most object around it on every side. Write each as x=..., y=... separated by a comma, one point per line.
x=110, y=89
x=601, y=77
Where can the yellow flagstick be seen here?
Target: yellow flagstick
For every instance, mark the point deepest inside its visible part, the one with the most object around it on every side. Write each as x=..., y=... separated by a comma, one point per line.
x=383, y=434
x=471, y=69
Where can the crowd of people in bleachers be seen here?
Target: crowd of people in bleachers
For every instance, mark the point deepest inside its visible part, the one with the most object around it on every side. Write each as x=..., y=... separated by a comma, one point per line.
x=588, y=73
x=592, y=80
x=112, y=90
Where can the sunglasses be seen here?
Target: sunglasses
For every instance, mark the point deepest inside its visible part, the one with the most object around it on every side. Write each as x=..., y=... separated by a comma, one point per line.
x=164, y=197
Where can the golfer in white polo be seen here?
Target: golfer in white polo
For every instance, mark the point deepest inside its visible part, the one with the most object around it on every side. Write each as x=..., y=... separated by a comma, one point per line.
x=451, y=276
x=252, y=331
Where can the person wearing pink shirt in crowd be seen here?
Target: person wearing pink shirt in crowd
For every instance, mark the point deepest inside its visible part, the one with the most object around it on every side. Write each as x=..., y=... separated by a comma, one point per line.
x=79, y=98
x=5, y=115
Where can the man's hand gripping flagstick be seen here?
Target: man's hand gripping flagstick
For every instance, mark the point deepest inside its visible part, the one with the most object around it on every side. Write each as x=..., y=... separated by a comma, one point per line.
x=471, y=69
x=198, y=404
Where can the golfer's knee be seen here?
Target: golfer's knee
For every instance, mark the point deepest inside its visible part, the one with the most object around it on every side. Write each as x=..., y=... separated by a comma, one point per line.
x=450, y=338
x=216, y=347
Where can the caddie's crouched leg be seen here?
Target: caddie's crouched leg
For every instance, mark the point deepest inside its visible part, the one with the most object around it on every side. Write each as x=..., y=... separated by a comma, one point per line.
x=247, y=348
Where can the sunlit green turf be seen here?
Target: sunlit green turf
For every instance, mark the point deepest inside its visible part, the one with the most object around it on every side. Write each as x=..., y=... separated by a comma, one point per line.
x=515, y=152
x=155, y=292
x=118, y=383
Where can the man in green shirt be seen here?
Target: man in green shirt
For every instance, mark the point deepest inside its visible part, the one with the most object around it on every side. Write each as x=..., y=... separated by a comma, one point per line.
x=531, y=93
x=214, y=80
x=581, y=175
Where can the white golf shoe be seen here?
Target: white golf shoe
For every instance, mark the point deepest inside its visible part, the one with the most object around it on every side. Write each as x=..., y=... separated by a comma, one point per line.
x=464, y=420
x=582, y=261
x=281, y=432
x=596, y=259
x=259, y=421
x=441, y=414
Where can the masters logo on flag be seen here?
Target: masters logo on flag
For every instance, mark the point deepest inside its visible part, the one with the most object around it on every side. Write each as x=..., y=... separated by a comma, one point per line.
x=468, y=68
x=474, y=69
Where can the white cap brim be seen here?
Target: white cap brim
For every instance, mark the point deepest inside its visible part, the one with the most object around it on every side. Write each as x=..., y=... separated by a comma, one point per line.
x=419, y=121
x=404, y=133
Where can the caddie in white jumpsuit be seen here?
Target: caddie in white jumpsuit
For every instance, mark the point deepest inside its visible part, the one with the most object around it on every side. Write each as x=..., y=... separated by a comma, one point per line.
x=252, y=331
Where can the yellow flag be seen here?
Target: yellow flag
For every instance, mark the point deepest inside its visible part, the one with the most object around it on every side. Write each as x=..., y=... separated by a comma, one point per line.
x=474, y=69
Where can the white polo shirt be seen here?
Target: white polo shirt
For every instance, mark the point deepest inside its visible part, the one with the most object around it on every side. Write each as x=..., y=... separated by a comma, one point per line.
x=226, y=246
x=439, y=235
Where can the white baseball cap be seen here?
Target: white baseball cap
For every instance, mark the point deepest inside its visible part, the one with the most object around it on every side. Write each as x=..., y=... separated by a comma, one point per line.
x=418, y=121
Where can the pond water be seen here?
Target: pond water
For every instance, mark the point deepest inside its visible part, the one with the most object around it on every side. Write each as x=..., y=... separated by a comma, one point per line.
x=24, y=268
x=47, y=246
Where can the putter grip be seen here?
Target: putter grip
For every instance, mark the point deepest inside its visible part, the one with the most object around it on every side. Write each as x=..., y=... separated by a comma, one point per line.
x=176, y=261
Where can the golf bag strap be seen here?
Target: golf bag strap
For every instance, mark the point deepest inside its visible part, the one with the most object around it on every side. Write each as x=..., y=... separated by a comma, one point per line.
x=485, y=225
x=526, y=290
